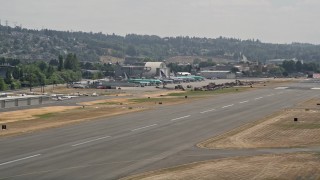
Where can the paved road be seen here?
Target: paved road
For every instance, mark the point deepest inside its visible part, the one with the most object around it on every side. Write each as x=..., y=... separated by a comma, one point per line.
x=114, y=147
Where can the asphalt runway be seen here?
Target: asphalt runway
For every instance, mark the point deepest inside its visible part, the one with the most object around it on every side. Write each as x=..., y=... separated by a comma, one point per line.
x=111, y=148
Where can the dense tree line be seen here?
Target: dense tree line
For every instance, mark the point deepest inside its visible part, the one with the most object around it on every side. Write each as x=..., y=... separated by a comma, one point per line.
x=296, y=67
x=47, y=44
x=65, y=69
x=40, y=73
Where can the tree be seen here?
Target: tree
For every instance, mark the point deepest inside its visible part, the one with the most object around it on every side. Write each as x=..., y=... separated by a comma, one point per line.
x=33, y=75
x=43, y=66
x=207, y=63
x=299, y=66
x=55, y=78
x=289, y=66
x=285, y=74
x=9, y=77
x=13, y=62
x=2, y=60
x=54, y=62
x=89, y=66
x=196, y=61
x=131, y=51
x=17, y=73
x=311, y=67
x=60, y=66
x=98, y=75
x=3, y=85
x=15, y=84
x=276, y=71
x=50, y=70
x=71, y=62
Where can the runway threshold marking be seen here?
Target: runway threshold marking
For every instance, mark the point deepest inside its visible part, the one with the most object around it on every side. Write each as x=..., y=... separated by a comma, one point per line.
x=243, y=102
x=92, y=140
x=21, y=159
x=180, y=118
x=143, y=127
x=228, y=106
x=207, y=111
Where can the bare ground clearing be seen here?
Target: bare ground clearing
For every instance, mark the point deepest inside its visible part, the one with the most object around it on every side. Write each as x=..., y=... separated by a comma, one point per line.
x=284, y=166
x=29, y=114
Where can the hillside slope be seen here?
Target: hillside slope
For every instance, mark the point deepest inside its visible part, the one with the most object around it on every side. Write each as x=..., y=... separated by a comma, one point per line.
x=27, y=44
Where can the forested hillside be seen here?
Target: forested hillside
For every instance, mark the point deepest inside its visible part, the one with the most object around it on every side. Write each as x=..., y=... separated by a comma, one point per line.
x=27, y=44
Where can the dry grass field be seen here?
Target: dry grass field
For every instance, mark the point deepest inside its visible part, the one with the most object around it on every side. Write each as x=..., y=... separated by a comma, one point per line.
x=285, y=166
x=278, y=130
x=25, y=121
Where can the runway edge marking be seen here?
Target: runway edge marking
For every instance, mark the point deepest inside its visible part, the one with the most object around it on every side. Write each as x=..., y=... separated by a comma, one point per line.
x=21, y=159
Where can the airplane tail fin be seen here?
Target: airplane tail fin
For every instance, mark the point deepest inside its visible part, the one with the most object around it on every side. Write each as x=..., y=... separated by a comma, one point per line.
x=162, y=74
x=125, y=76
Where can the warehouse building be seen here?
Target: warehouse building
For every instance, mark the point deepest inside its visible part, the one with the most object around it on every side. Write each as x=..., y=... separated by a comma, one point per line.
x=218, y=74
x=28, y=100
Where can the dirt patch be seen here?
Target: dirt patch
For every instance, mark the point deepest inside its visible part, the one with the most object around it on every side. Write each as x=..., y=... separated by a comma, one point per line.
x=106, y=101
x=29, y=114
x=43, y=120
x=279, y=130
x=286, y=166
x=110, y=59
x=160, y=94
x=127, y=100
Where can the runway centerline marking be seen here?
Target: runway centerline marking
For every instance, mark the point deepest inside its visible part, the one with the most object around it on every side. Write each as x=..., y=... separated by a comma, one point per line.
x=258, y=98
x=21, y=159
x=270, y=95
x=92, y=140
x=180, y=118
x=243, y=102
x=228, y=106
x=207, y=111
x=143, y=127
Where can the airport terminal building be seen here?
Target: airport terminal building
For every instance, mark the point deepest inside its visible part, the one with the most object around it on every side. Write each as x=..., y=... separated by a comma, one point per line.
x=148, y=70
